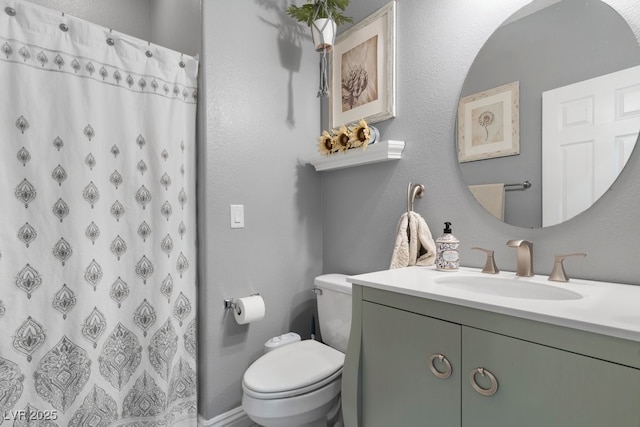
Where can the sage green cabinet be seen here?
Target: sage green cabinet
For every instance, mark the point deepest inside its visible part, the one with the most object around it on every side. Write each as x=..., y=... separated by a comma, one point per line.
x=394, y=357
x=543, y=386
x=398, y=386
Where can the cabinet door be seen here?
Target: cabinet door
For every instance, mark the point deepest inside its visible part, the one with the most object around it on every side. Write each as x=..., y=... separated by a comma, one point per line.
x=398, y=387
x=542, y=386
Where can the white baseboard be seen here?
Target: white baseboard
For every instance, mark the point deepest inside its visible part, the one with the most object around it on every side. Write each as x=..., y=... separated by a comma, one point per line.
x=233, y=418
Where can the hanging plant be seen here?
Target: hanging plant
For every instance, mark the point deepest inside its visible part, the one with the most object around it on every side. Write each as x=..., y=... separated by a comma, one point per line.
x=323, y=17
x=331, y=9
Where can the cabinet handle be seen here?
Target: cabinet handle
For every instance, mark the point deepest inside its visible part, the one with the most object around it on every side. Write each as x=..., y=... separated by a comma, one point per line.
x=440, y=374
x=483, y=391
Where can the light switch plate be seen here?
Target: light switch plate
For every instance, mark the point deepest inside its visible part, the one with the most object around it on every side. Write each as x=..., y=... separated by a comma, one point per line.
x=236, y=213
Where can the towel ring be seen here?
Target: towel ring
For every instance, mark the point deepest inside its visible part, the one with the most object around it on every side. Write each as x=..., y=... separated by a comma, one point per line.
x=413, y=192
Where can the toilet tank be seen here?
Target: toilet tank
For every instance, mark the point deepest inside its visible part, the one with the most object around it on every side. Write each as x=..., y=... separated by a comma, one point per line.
x=334, y=309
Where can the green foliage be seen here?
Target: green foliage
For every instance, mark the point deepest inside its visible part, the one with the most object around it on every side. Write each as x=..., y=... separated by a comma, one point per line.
x=306, y=12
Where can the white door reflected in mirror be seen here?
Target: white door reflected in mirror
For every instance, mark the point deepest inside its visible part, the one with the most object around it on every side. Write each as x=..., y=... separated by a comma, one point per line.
x=589, y=130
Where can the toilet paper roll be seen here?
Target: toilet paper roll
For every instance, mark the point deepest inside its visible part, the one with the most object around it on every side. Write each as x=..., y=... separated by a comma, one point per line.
x=249, y=309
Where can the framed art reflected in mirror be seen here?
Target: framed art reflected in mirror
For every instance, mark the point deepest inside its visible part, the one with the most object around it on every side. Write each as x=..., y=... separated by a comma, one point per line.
x=488, y=124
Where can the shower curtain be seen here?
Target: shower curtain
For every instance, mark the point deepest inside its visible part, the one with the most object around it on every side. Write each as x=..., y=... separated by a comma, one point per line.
x=97, y=226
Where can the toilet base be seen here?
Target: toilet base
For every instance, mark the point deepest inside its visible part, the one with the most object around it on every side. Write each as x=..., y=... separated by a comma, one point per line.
x=298, y=411
x=334, y=417
x=328, y=415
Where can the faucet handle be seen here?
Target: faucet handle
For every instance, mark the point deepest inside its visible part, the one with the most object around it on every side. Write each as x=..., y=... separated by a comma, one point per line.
x=558, y=274
x=490, y=266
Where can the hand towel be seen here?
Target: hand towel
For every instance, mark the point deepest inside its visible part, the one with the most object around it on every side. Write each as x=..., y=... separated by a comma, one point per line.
x=400, y=256
x=491, y=197
x=414, y=244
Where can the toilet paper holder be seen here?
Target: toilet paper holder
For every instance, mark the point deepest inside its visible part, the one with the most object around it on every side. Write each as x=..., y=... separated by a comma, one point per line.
x=229, y=303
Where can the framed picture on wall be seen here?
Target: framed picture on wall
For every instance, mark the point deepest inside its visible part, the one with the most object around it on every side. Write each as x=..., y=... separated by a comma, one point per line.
x=362, y=82
x=489, y=124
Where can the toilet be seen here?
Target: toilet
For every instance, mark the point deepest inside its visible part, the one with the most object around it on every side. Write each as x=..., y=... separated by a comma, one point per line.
x=298, y=383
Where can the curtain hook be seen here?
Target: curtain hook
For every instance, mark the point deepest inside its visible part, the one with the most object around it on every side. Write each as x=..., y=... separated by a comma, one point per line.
x=181, y=63
x=110, y=41
x=63, y=27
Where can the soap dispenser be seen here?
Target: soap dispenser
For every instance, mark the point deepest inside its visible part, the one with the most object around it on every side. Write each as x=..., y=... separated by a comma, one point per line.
x=447, y=255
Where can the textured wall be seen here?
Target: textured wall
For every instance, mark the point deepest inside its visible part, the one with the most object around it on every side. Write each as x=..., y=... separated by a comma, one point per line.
x=175, y=24
x=436, y=43
x=262, y=120
x=126, y=16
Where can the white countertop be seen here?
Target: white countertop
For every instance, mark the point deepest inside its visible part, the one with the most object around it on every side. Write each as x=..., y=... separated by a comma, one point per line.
x=606, y=308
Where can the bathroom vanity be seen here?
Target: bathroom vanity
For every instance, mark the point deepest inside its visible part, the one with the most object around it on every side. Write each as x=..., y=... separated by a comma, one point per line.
x=430, y=348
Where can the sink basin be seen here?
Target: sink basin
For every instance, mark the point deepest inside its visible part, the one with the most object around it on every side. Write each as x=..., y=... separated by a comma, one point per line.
x=505, y=287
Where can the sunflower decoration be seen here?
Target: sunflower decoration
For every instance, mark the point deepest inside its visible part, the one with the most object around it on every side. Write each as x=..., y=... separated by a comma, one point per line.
x=360, y=135
x=326, y=143
x=342, y=139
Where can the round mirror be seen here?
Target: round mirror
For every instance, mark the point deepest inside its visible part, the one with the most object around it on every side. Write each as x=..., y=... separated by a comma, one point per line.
x=550, y=111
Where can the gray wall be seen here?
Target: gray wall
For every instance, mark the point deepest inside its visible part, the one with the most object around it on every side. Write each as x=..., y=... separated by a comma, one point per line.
x=126, y=16
x=263, y=117
x=567, y=46
x=436, y=43
x=175, y=24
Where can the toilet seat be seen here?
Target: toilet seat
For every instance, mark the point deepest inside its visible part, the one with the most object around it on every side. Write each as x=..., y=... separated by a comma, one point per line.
x=292, y=393
x=293, y=370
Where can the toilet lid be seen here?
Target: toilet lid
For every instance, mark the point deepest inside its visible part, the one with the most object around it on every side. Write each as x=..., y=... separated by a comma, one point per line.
x=292, y=367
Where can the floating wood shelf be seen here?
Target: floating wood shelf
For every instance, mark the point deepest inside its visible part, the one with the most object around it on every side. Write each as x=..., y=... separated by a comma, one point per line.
x=379, y=152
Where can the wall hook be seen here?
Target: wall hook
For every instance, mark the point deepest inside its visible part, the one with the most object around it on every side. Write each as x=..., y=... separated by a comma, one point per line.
x=413, y=191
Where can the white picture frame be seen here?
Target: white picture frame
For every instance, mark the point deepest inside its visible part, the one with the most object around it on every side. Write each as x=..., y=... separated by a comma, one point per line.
x=488, y=124
x=367, y=48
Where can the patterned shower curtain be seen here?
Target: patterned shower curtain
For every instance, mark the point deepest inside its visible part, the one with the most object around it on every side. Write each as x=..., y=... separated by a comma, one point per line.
x=97, y=226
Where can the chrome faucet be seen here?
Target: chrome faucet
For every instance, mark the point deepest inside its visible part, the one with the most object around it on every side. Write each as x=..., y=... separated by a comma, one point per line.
x=524, y=250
